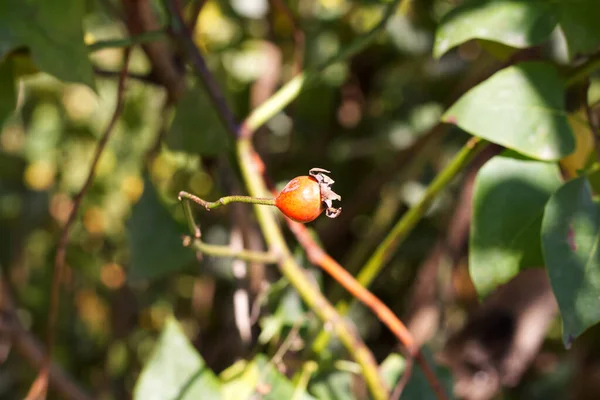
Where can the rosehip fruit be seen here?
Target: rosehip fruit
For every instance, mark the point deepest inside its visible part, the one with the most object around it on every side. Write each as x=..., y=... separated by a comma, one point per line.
x=304, y=198
x=300, y=199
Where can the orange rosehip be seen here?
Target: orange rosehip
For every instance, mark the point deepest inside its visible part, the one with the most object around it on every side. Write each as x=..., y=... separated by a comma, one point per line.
x=300, y=199
x=304, y=198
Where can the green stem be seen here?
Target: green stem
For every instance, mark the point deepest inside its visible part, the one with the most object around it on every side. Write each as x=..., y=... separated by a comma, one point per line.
x=142, y=38
x=189, y=217
x=383, y=218
x=405, y=225
x=210, y=205
x=226, y=251
x=218, y=250
x=309, y=293
x=409, y=220
x=292, y=271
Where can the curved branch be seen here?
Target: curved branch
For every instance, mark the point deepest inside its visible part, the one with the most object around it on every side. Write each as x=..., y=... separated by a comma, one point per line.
x=273, y=235
x=40, y=386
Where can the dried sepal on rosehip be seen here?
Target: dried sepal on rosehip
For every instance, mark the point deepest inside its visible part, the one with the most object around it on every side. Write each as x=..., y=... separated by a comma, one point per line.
x=304, y=198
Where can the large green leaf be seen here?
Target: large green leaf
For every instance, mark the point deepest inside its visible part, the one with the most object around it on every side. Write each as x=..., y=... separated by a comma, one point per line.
x=176, y=371
x=508, y=204
x=520, y=23
x=245, y=380
x=155, y=238
x=52, y=31
x=517, y=23
x=570, y=238
x=196, y=127
x=520, y=107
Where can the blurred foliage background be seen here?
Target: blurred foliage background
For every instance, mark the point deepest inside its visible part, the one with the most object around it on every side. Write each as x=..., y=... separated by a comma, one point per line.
x=372, y=120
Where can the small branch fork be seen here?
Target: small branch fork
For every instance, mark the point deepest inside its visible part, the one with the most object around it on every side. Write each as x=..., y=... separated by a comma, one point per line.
x=289, y=268
x=218, y=250
x=252, y=169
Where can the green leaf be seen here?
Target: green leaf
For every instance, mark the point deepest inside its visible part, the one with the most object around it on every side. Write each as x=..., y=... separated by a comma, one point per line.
x=52, y=30
x=570, y=238
x=520, y=107
x=508, y=204
x=520, y=24
x=155, y=238
x=259, y=374
x=579, y=23
x=517, y=23
x=196, y=127
x=176, y=371
x=8, y=93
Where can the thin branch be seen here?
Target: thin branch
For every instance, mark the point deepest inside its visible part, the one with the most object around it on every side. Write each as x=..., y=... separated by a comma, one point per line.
x=287, y=93
x=310, y=294
x=130, y=41
x=201, y=69
x=273, y=235
x=39, y=387
x=254, y=182
x=293, y=272
x=318, y=256
x=140, y=18
x=223, y=201
x=423, y=312
x=405, y=225
x=226, y=251
x=403, y=381
x=388, y=203
x=386, y=250
x=368, y=191
x=146, y=78
x=197, y=8
x=409, y=220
